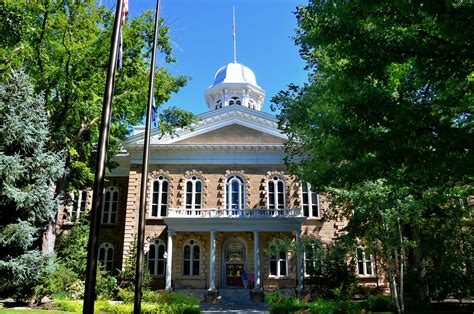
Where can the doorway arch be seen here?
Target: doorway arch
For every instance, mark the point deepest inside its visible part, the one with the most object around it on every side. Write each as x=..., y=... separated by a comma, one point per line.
x=234, y=261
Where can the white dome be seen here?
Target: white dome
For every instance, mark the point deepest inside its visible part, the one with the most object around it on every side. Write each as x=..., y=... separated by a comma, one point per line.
x=235, y=73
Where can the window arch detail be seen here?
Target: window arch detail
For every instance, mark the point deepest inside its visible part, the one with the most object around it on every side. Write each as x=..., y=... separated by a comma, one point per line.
x=276, y=193
x=110, y=205
x=234, y=101
x=156, y=257
x=106, y=256
x=191, y=258
x=152, y=200
x=182, y=188
x=222, y=188
x=159, y=196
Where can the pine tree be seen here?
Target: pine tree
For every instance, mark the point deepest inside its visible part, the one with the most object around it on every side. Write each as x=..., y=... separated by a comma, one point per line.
x=27, y=172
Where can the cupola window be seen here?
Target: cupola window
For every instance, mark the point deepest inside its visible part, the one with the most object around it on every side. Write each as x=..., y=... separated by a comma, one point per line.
x=219, y=104
x=234, y=101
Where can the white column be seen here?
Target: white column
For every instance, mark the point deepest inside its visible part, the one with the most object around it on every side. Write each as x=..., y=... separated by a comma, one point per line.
x=169, y=260
x=256, y=255
x=212, y=259
x=299, y=262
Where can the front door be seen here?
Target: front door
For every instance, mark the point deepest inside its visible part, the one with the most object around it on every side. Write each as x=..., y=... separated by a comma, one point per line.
x=234, y=275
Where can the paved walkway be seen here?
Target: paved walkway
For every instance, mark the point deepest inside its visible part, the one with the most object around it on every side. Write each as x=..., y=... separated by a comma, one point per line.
x=234, y=301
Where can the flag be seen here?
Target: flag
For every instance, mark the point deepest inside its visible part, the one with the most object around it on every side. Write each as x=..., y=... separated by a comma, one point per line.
x=154, y=112
x=122, y=22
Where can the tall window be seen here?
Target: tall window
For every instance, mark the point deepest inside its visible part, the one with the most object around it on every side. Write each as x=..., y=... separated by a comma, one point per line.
x=156, y=258
x=251, y=104
x=193, y=194
x=312, y=258
x=276, y=193
x=235, y=194
x=159, y=198
x=79, y=205
x=191, y=258
x=310, y=201
x=109, y=206
x=106, y=256
x=364, y=263
x=278, y=261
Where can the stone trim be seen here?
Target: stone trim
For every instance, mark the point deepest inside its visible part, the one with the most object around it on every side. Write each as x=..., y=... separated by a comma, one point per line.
x=181, y=194
x=221, y=187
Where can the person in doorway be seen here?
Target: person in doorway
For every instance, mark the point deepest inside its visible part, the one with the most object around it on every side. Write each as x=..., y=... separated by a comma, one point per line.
x=245, y=279
x=251, y=280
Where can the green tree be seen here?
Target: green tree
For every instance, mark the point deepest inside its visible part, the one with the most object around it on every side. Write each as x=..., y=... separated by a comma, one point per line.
x=64, y=46
x=28, y=170
x=390, y=97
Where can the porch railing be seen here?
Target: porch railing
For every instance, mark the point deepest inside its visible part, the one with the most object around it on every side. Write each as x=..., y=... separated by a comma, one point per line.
x=219, y=212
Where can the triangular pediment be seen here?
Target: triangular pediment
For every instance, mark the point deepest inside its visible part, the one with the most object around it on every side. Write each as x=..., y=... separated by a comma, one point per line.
x=229, y=125
x=233, y=134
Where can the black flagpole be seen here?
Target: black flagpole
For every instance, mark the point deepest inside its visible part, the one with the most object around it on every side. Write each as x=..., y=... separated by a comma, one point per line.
x=93, y=245
x=143, y=187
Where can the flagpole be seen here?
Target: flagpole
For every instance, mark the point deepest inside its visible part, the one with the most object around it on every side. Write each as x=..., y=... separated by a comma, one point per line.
x=233, y=33
x=93, y=243
x=143, y=187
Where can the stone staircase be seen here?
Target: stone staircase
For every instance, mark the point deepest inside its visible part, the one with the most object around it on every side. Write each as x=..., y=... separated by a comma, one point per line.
x=234, y=301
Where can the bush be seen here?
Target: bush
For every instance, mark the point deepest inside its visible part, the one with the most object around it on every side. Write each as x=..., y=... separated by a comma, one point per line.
x=105, y=306
x=377, y=303
x=62, y=284
x=106, y=285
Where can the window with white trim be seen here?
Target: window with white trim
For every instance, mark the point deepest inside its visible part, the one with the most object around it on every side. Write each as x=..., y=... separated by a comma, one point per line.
x=79, y=205
x=364, y=263
x=191, y=258
x=159, y=197
x=156, y=257
x=193, y=194
x=109, y=205
x=312, y=258
x=106, y=256
x=276, y=193
x=234, y=101
x=278, y=261
x=235, y=193
x=309, y=201
x=219, y=104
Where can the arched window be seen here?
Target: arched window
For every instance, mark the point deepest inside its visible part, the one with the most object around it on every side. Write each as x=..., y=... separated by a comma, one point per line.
x=364, y=263
x=106, y=256
x=234, y=101
x=191, y=258
x=79, y=205
x=278, y=261
x=251, y=104
x=159, y=198
x=109, y=205
x=312, y=258
x=193, y=194
x=219, y=104
x=156, y=258
x=310, y=201
x=276, y=193
x=235, y=194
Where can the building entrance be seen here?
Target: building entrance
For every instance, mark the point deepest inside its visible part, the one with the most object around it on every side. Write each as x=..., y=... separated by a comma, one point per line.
x=234, y=262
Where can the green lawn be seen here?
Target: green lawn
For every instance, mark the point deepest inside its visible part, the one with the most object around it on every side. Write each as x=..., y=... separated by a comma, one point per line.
x=30, y=311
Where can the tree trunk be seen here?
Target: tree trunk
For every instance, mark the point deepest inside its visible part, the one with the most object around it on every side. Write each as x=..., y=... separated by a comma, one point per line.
x=402, y=262
x=49, y=236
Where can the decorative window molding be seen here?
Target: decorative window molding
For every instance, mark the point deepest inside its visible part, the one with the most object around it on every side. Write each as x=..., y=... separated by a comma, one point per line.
x=157, y=202
x=278, y=259
x=182, y=188
x=276, y=193
x=193, y=194
x=265, y=188
x=159, y=197
x=309, y=201
x=222, y=188
x=156, y=257
x=191, y=258
x=106, y=256
x=110, y=205
x=365, y=264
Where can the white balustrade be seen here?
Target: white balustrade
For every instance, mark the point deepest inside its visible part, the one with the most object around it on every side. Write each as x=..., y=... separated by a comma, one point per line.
x=243, y=213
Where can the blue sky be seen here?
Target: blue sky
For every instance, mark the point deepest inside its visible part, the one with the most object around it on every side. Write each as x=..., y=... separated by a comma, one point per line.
x=201, y=34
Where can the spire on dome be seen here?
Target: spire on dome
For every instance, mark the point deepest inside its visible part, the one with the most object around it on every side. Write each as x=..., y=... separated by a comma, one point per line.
x=233, y=33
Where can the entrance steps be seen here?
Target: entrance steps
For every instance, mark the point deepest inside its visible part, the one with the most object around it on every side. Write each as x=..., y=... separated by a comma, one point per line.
x=234, y=301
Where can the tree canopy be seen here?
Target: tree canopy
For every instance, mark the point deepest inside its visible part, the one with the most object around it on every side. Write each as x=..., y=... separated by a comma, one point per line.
x=64, y=47
x=389, y=103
